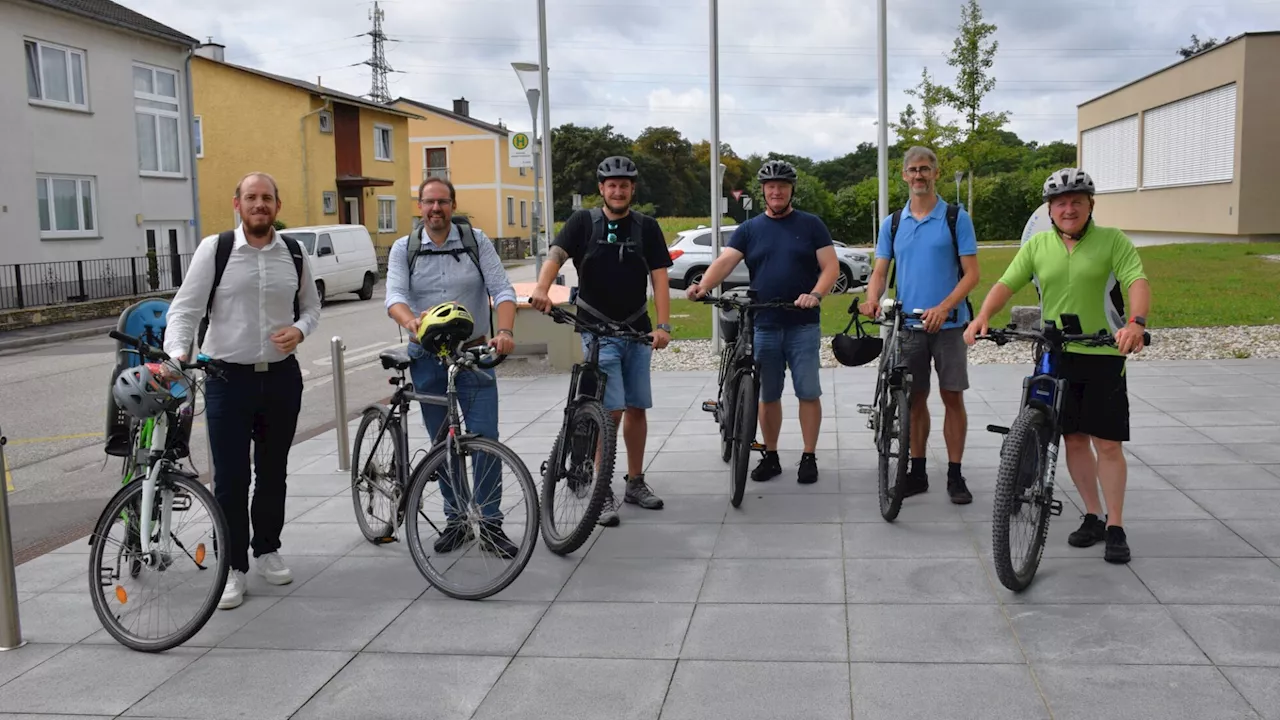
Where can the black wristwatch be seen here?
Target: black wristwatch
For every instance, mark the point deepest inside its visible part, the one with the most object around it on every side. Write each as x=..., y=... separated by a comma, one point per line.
x=664, y=328
x=1138, y=320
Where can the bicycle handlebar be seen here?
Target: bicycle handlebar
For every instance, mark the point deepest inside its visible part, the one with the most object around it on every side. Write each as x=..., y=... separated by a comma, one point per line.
x=1057, y=338
x=485, y=357
x=611, y=329
x=729, y=302
x=155, y=354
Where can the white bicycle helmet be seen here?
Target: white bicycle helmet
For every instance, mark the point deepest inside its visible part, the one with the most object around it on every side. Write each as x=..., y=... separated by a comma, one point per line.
x=1067, y=180
x=142, y=392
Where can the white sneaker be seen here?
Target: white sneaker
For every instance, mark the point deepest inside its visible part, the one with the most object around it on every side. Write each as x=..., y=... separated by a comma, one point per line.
x=233, y=593
x=272, y=569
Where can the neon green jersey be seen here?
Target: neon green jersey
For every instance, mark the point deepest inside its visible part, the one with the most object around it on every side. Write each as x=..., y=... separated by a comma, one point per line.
x=1086, y=282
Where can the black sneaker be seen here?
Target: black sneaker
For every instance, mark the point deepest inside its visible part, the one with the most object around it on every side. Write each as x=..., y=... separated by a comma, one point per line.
x=1117, y=547
x=915, y=484
x=769, y=468
x=494, y=540
x=456, y=534
x=1091, y=531
x=959, y=491
x=808, y=473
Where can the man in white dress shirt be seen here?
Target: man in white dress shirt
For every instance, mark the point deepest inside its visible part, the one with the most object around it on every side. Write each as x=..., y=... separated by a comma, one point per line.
x=265, y=304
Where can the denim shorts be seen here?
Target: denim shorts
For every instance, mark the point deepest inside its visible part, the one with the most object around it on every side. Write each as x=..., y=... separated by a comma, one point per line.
x=794, y=347
x=626, y=363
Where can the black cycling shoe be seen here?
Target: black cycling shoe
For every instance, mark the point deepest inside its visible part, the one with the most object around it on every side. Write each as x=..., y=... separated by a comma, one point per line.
x=494, y=540
x=456, y=534
x=808, y=473
x=1092, y=530
x=769, y=468
x=959, y=491
x=915, y=484
x=1117, y=546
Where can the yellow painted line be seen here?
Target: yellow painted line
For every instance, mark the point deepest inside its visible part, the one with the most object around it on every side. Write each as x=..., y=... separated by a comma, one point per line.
x=54, y=438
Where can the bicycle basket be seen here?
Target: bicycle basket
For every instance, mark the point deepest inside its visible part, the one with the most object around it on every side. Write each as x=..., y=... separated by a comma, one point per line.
x=859, y=349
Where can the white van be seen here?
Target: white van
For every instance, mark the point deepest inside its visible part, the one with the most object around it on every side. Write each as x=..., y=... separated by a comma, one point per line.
x=342, y=258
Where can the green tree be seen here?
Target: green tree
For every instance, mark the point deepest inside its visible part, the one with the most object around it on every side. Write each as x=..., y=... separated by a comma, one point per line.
x=1197, y=46
x=849, y=169
x=668, y=176
x=575, y=153
x=973, y=55
x=928, y=129
x=810, y=195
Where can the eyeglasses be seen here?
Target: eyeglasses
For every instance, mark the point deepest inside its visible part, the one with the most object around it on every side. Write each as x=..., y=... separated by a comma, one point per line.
x=922, y=170
x=432, y=203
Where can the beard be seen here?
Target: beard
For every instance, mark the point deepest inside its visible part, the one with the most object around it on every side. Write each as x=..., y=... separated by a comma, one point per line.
x=258, y=223
x=436, y=221
x=619, y=208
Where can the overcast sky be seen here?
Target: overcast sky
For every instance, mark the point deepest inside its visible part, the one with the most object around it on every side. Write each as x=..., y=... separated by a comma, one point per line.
x=797, y=76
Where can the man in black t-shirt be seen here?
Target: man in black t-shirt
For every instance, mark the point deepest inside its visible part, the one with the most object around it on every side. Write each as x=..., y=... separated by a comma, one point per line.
x=616, y=253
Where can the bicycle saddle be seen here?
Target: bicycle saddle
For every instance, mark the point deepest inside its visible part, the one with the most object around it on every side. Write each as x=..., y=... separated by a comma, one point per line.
x=397, y=359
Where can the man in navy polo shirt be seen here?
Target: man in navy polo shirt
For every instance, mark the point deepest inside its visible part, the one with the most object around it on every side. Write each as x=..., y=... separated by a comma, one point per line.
x=790, y=256
x=935, y=273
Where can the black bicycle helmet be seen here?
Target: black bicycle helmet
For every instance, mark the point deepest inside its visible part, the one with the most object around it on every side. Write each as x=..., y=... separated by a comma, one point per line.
x=777, y=170
x=855, y=350
x=616, y=166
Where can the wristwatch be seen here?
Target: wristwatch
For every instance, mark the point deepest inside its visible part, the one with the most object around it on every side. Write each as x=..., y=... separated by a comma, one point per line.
x=507, y=332
x=1138, y=320
x=664, y=328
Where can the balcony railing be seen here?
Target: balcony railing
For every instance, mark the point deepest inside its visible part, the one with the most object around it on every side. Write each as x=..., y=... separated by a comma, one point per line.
x=442, y=173
x=70, y=281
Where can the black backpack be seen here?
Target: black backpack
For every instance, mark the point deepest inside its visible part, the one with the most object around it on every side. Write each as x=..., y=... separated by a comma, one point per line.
x=470, y=246
x=953, y=214
x=226, y=241
x=597, y=244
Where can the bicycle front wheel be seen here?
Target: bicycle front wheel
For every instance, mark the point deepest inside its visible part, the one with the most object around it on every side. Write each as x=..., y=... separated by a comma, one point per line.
x=577, y=477
x=375, y=474
x=745, y=415
x=724, y=403
x=480, y=522
x=893, y=442
x=156, y=600
x=1021, y=508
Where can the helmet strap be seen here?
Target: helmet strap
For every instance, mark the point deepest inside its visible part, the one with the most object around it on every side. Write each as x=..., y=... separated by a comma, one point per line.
x=1068, y=235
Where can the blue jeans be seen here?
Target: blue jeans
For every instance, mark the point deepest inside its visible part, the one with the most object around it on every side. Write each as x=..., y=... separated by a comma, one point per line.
x=626, y=362
x=796, y=347
x=478, y=398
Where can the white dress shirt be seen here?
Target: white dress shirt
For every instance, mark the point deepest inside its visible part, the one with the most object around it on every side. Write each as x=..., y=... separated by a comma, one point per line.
x=254, y=300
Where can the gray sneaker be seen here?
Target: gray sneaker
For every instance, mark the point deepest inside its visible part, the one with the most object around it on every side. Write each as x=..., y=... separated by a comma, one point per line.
x=609, y=511
x=639, y=493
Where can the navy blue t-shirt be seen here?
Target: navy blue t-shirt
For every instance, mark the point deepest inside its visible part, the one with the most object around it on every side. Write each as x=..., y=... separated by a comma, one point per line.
x=782, y=256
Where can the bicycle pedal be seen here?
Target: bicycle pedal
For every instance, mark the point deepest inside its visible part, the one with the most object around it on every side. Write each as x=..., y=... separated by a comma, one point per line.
x=864, y=409
x=1055, y=507
x=758, y=447
x=709, y=405
x=998, y=429
x=392, y=538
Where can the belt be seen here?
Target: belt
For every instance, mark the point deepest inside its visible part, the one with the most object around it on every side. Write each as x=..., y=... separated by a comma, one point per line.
x=259, y=367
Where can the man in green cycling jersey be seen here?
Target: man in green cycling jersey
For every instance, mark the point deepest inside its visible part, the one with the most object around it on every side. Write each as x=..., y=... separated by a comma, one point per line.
x=1081, y=268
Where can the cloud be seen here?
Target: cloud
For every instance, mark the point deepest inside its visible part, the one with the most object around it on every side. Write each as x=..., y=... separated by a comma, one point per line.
x=796, y=77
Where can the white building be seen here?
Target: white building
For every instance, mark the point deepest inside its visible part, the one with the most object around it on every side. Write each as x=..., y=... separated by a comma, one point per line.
x=96, y=149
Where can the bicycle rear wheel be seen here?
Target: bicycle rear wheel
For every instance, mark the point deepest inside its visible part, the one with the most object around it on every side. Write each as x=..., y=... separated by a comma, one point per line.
x=1020, y=522
x=746, y=410
x=375, y=474
x=893, y=442
x=574, y=483
x=134, y=594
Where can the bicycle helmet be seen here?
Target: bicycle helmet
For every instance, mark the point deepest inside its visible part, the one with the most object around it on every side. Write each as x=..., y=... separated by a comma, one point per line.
x=616, y=166
x=852, y=351
x=776, y=170
x=445, y=326
x=143, y=391
x=1067, y=180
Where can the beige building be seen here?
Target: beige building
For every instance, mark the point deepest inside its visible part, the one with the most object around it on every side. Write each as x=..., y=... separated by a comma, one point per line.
x=1189, y=153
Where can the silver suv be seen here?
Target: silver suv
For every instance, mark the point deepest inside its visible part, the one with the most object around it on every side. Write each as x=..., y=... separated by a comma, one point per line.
x=691, y=255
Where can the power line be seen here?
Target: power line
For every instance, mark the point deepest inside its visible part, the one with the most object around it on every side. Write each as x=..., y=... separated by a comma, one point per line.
x=379, y=92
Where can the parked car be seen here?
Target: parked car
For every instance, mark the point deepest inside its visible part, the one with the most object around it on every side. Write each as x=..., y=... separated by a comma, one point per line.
x=691, y=255
x=342, y=258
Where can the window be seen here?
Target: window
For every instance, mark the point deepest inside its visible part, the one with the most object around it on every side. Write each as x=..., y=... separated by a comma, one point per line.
x=198, y=129
x=522, y=171
x=1109, y=153
x=435, y=163
x=155, y=94
x=67, y=206
x=324, y=245
x=511, y=210
x=386, y=214
x=382, y=142
x=55, y=75
x=330, y=202
x=1191, y=141
x=306, y=239
x=524, y=216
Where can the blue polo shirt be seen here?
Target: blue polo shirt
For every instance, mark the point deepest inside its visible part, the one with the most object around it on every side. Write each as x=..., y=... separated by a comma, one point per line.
x=927, y=266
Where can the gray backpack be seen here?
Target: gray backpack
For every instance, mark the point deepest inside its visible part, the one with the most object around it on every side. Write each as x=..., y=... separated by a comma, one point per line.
x=470, y=246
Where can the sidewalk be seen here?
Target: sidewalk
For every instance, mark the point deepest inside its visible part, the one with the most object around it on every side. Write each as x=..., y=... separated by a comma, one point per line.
x=803, y=603
x=46, y=334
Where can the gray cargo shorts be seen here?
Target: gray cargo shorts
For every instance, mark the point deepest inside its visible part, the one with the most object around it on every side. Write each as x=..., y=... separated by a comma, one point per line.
x=950, y=356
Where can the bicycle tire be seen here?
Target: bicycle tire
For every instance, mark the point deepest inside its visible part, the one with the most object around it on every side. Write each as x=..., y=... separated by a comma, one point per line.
x=122, y=499
x=422, y=475
x=895, y=409
x=725, y=413
x=576, y=536
x=1027, y=434
x=389, y=429
x=744, y=435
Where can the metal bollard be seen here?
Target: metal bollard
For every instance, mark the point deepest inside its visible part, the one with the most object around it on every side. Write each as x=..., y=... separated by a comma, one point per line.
x=337, y=350
x=10, y=627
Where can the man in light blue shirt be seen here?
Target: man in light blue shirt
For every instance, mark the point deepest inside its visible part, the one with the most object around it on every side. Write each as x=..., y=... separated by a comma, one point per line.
x=444, y=271
x=936, y=269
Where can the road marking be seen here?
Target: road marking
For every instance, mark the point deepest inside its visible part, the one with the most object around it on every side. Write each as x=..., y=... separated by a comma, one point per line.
x=329, y=378
x=54, y=438
x=354, y=353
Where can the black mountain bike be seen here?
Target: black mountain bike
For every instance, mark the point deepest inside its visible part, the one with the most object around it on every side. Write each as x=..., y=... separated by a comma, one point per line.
x=579, y=470
x=737, y=407
x=1029, y=454
x=386, y=486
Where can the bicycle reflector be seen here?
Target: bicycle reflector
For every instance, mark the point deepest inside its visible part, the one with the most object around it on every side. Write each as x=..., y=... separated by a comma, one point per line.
x=860, y=349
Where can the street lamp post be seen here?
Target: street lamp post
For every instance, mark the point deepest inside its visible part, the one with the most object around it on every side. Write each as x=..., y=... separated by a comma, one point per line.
x=528, y=75
x=882, y=140
x=959, y=177
x=717, y=170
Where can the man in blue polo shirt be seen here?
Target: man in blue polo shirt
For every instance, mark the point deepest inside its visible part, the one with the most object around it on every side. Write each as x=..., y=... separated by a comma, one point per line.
x=791, y=258
x=935, y=273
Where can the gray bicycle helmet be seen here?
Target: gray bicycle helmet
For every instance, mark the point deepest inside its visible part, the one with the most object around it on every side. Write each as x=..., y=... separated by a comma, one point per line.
x=140, y=393
x=616, y=166
x=777, y=170
x=1067, y=180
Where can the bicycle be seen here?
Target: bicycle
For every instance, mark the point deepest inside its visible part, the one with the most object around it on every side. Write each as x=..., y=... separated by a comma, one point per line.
x=155, y=502
x=584, y=451
x=736, y=408
x=1029, y=452
x=445, y=464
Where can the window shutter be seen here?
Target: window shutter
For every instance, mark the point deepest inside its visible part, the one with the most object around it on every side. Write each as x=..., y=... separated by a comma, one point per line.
x=1109, y=153
x=1191, y=141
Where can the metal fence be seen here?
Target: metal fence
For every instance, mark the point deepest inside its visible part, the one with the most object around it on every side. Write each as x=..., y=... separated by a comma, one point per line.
x=71, y=281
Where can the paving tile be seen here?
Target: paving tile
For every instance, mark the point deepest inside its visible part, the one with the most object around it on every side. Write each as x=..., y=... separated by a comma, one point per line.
x=796, y=632
x=636, y=580
x=71, y=682
x=1225, y=477
x=1211, y=581
x=303, y=567
x=496, y=628
x=773, y=581
x=775, y=508
x=674, y=484
x=304, y=538
x=680, y=509
x=51, y=570
x=221, y=625
x=1261, y=534
x=201, y=690
x=657, y=541
x=933, y=506
x=908, y=540
x=1140, y=692
x=58, y=618
x=750, y=540
x=1071, y=581
x=1239, y=504
x=375, y=686
x=333, y=510
x=1219, y=418
x=1242, y=434
x=1259, y=686
x=15, y=662
x=642, y=631
x=540, y=581
x=1096, y=634
x=950, y=580
x=1172, y=454
x=1234, y=634
x=898, y=691
x=1158, y=505
x=1167, y=435
x=578, y=689
x=931, y=633
x=319, y=484
x=1260, y=452
x=367, y=578
x=709, y=690
x=293, y=624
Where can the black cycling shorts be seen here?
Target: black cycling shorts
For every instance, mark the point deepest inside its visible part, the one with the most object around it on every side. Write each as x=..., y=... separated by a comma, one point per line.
x=1097, y=398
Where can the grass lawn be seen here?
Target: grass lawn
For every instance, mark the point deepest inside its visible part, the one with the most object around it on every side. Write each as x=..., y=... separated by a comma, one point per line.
x=672, y=225
x=1195, y=285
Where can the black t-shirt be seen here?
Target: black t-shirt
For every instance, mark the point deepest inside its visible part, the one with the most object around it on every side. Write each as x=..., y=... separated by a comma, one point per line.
x=616, y=287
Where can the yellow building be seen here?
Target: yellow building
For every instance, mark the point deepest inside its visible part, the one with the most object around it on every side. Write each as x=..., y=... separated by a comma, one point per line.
x=472, y=154
x=337, y=158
